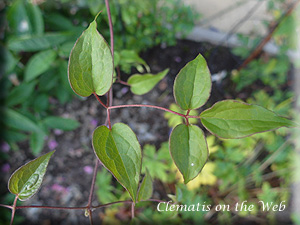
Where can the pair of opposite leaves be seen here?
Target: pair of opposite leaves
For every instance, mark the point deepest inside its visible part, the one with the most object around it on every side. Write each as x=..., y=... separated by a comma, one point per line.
x=91, y=71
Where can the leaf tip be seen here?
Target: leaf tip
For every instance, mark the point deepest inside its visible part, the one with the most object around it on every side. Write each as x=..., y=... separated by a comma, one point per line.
x=96, y=17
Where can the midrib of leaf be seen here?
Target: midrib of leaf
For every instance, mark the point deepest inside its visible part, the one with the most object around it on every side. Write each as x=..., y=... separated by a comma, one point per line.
x=193, y=90
x=127, y=176
x=189, y=150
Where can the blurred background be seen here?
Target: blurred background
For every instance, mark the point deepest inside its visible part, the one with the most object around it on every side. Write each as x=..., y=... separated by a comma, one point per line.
x=252, y=50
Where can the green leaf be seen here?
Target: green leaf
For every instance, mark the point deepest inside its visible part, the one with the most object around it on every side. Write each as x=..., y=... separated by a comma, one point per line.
x=189, y=150
x=48, y=80
x=142, y=84
x=90, y=64
x=146, y=188
x=41, y=102
x=8, y=61
x=234, y=119
x=37, y=140
x=65, y=50
x=35, y=17
x=25, y=18
x=193, y=84
x=26, y=181
x=39, y=63
x=128, y=58
x=17, y=18
x=61, y=123
x=20, y=93
x=119, y=151
x=59, y=22
x=18, y=121
x=38, y=42
x=13, y=136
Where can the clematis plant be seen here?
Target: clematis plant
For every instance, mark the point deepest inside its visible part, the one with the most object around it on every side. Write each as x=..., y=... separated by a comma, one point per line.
x=91, y=72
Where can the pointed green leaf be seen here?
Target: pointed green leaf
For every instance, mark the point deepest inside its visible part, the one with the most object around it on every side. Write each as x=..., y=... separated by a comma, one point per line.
x=60, y=123
x=39, y=63
x=35, y=17
x=12, y=136
x=142, y=84
x=193, y=84
x=189, y=150
x=18, y=121
x=146, y=188
x=20, y=93
x=25, y=18
x=37, y=140
x=90, y=64
x=234, y=119
x=119, y=151
x=38, y=42
x=26, y=181
x=17, y=18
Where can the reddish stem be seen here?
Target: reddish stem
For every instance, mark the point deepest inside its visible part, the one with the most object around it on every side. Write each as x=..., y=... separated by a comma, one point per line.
x=152, y=106
x=132, y=210
x=6, y=206
x=50, y=207
x=152, y=200
x=111, y=203
x=13, y=210
x=110, y=27
x=99, y=100
x=123, y=82
x=187, y=118
x=119, y=77
x=265, y=40
x=71, y=208
x=108, y=119
x=93, y=183
x=111, y=31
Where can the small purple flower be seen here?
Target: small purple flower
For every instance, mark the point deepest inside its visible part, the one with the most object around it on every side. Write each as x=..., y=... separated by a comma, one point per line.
x=5, y=147
x=5, y=168
x=58, y=188
x=177, y=59
x=88, y=169
x=94, y=122
x=124, y=90
x=58, y=132
x=52, y=144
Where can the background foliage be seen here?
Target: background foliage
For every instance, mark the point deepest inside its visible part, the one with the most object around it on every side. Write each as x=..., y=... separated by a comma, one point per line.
x=255, y=168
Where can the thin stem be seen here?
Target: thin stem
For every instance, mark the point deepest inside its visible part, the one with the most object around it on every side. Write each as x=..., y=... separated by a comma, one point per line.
x=152, y=200
x=118, y=73
x=111, y=203
x=186, y=117
x=119, y=77
x=123, y=82
x=99, y=100
x=91, y=217
x=266, y=39
x=132, y=210
x=110, y=27
x=50, y=207
x=71, y=208
x=108, y=119
x=6, y=206
x=148, y=106
x=13, y=210
x=111, y=31
x=93, y=183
